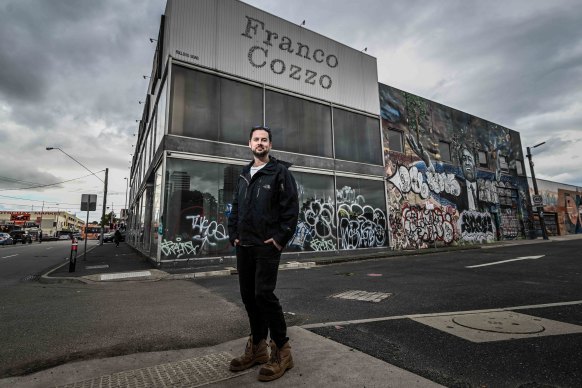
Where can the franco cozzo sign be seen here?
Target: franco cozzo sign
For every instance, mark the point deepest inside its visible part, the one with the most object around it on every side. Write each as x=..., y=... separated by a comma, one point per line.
x=235, y=38
x=258, y=55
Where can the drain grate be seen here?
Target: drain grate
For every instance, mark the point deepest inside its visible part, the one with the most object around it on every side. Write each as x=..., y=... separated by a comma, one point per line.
x=192, y=372
x=364, y=296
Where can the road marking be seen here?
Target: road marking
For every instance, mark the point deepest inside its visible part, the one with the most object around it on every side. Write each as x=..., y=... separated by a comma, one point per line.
x=5, y=257
x=413, y=316
x=506, y=261
x=125, y=275
x=49, y=248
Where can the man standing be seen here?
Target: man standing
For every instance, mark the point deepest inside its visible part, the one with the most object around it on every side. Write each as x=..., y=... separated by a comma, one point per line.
x=263, y=219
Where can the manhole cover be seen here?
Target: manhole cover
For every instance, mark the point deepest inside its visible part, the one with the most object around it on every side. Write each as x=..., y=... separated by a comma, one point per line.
x=499, y=323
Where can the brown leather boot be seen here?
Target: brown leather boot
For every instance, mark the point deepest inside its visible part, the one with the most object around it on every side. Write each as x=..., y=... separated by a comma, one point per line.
x=280, y=361
x=254, y=354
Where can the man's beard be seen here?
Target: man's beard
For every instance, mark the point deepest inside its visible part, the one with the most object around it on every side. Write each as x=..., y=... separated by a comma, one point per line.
x=260, y=154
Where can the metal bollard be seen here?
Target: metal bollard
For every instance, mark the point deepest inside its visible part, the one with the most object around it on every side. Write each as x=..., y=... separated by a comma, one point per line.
x=73, y=256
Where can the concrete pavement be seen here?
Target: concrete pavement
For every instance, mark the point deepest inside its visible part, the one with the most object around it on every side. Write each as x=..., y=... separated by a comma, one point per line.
x=318, y=360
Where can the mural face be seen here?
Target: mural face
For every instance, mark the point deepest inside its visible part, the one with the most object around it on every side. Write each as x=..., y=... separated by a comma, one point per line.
x=461, y=200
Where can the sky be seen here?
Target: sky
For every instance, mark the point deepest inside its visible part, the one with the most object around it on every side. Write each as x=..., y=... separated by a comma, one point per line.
x=71, y=76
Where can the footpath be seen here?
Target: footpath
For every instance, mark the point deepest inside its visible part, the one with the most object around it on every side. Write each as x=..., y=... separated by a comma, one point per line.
x=323, y=362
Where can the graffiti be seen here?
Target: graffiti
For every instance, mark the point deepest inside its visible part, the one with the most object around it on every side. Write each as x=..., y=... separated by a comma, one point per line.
x=178, y=248
x=303, y=234
x=410, y=179
x=407, y=180
x=360, y=225
x=488, y=192
x=442, y=182
x=322, y=245
x=205, y=232
x=509, y=224
x=319, y=216
x=476, y=226
x=427, y=225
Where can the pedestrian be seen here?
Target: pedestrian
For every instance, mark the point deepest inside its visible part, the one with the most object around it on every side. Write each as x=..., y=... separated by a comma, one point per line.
x=117, y=237
x=40, y=236
x=263, y=218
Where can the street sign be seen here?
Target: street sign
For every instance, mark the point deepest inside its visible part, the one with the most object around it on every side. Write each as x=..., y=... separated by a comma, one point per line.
x=89, y=202
x=537, y=200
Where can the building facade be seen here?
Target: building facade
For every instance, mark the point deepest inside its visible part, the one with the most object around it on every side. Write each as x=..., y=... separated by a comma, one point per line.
x=562, y=208
x=53, y=224
x=370, y=161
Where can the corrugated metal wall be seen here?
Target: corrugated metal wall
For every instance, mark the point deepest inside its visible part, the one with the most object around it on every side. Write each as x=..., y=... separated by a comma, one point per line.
x=221, y=34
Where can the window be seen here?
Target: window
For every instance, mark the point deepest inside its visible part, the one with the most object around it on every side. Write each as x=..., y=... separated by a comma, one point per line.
x=361, y=211
x=209, y=107
x=445, y=151
x=357, y=137
x=503, y=163
x=483, y=162
x=298, y=125
x=197, y=201
x=519, y=167
x=395, y=142
x=316, y=228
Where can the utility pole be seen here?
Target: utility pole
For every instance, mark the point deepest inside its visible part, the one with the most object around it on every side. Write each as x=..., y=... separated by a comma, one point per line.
x=539, y=209
x=104, y=207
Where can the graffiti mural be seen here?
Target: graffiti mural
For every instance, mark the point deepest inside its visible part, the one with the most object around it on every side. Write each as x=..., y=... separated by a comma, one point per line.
x=349, y=222
x=458, y=179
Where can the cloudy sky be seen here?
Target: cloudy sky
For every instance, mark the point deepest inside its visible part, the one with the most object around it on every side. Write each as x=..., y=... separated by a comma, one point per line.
x=71, y=77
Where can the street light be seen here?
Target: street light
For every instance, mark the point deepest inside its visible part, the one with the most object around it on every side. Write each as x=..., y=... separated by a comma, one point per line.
x=539, y=209
x=104, y=188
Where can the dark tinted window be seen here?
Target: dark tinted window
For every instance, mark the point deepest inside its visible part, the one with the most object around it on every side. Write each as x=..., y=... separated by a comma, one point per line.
x=298, y=125
x=357, y=137
x=361, y=211
x=395, y=142
x=445, y=151
x=209, y=107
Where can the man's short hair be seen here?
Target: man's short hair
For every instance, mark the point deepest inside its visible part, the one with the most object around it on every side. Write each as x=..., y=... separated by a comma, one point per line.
x=261, y=127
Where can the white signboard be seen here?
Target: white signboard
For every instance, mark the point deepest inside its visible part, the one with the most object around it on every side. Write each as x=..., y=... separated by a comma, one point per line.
x=235, y=38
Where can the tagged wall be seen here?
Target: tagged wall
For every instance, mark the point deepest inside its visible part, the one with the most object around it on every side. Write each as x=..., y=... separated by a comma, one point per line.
x=562, y=207
x=452, y=177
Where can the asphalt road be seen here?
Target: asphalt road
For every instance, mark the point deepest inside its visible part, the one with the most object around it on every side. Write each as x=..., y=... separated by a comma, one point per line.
x=441, y=284
x=25, y=262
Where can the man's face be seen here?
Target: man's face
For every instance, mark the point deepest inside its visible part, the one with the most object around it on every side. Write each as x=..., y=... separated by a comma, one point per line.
x=259, y=143
x=468, y=164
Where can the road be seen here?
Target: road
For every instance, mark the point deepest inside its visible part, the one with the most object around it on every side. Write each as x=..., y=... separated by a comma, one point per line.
x=542, y=281
x=49, y=324
x=25, y=262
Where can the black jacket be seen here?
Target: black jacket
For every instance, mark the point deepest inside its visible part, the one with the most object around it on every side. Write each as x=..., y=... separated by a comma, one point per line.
x=265, y=206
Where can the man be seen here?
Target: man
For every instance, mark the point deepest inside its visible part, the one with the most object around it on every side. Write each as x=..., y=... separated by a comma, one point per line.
x=262, y=220
x=470, y=173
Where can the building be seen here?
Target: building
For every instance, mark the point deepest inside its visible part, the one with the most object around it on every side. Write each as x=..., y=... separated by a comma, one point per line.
x=376, y=167
x=53, y=224
x=562, y=208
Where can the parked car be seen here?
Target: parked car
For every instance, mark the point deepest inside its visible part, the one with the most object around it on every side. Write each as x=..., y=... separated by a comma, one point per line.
x=108, y=237
x=6, y=239
x=21, y=236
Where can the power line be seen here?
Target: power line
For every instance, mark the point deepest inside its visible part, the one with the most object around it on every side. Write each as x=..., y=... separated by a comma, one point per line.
x=51, y=184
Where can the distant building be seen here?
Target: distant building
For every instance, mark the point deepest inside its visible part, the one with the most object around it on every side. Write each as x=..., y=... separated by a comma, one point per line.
x=53, y=224
x=562, y=208
x=376, y=167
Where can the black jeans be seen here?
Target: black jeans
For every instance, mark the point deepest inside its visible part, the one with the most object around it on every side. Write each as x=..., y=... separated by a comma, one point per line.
x=257, y=274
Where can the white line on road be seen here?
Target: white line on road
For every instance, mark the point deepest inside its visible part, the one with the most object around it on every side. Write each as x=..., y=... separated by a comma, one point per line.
x=49, y=248
x=396, y=317
x=506, y=261
x=5, y=257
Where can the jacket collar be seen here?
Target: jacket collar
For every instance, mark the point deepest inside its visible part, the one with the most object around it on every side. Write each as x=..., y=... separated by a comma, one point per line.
x=269, y=167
